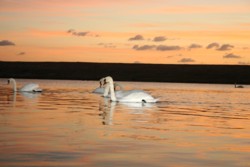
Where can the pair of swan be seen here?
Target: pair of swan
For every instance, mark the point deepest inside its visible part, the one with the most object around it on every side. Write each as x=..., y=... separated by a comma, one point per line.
x=135, y=96
x=30, y=87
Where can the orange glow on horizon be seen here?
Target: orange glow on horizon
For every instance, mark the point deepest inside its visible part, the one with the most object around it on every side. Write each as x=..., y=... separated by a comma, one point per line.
x=151, y=32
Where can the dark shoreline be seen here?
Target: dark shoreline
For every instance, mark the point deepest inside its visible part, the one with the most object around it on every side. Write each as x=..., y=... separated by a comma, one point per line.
x=226, y=74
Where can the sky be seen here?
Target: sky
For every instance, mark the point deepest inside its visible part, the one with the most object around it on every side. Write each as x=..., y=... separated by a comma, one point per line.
x=126, y=31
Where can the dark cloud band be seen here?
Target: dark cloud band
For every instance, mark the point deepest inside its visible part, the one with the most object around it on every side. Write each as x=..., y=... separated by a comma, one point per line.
x=6, y=43
x=231, y=56
x=136, y=38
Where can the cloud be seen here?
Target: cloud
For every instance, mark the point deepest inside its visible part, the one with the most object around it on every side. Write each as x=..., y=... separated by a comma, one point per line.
x=6, y=43
x=167, y=48
x=159, y=39
x=186, y=60
x=21, y=53
x=80, y=33
x=194, y=46
x=157, y=47
x=243, y=63
x=144, y=47
x=136, y=38
x=107, y=45
x=73, y=32
x=225, y=47
x=213, y=45
x=231, y=56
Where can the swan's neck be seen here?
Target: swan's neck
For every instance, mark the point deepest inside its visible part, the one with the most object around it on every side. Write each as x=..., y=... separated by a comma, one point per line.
x=112, y=91
x=106, y=90
x=13, y=84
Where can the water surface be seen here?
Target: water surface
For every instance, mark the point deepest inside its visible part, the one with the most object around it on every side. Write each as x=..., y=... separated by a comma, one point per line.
x=192, y=125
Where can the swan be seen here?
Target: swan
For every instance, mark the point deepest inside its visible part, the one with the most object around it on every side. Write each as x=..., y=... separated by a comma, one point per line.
x=30, y=87
x=238, y=86
x=101, y=88
x=135, y=96
x=118, y=93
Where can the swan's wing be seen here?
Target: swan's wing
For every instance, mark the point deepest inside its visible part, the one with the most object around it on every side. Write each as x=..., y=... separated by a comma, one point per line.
x=124, y=93
x=120, y=93
x=31, y=87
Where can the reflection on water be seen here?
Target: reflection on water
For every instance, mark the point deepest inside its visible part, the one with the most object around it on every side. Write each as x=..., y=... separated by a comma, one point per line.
x=67, y=125
x=107, y=111
x=108, y=108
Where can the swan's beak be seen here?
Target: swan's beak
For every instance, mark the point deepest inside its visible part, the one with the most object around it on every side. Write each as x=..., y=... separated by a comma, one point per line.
x=102, y=82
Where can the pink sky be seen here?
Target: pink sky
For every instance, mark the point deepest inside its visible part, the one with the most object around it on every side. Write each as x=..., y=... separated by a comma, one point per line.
x=132, y=31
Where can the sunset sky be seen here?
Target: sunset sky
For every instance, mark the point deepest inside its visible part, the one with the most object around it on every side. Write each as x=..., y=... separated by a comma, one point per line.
x=126, y=31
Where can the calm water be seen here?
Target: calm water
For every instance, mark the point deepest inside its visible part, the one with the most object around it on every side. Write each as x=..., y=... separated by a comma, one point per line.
x=193, y=125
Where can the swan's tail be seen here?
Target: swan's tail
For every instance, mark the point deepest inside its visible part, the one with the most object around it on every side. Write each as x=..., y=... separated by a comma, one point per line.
x=37, y=90
x=150, y=100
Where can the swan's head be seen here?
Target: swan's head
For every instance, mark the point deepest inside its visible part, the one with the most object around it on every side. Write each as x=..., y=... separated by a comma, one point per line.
x=10, y=80
x=102, y=82
x=105, y=80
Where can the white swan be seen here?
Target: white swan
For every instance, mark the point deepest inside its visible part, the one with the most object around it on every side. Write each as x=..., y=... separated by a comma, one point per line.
x=101, y=88
x=135, y=96
x=238, y=86
x=30, y=87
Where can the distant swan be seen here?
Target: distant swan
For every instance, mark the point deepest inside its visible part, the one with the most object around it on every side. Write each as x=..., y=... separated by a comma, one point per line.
x=238, y=86
x=136, y=96
x=30, y=87
x=101, y=88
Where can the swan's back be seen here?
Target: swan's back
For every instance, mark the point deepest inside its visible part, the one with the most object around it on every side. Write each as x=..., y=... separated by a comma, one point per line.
x=31, y=87
x=137, y=96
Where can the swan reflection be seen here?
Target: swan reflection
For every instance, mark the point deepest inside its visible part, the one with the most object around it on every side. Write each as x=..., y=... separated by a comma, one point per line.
x=29, y=95
x=138, y=105
x=23, y=97
x=108, y=109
